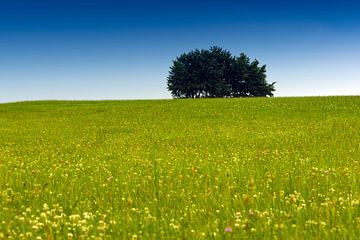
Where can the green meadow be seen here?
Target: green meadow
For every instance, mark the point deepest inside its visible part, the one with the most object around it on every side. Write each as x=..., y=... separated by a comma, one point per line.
x=258, y=168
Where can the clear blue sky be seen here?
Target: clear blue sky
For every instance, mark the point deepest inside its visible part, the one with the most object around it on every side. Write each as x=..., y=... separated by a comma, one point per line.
x=123, y=49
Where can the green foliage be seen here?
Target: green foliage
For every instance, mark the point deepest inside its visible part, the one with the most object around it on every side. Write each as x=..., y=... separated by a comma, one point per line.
x=216, y=73
x=250, y=168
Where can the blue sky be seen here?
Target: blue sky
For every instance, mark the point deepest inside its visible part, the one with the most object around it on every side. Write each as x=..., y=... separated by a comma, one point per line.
x=123, y=49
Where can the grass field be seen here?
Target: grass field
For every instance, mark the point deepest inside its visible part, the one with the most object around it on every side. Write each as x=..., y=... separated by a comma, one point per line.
x=275, y=168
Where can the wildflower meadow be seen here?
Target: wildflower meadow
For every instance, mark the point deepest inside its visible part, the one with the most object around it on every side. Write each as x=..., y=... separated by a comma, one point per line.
x=257, y=168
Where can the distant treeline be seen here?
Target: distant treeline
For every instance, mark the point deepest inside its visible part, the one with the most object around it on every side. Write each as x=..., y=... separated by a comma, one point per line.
x=216, y=73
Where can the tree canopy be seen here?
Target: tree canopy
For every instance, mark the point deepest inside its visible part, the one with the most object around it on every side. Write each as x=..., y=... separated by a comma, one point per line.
x=217, y=73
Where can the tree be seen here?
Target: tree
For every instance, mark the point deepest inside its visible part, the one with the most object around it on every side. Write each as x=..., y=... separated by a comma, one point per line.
x=216, y=73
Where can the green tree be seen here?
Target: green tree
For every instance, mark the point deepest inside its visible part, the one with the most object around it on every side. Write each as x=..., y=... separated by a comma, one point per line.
x=240, y=76
x=216, y=73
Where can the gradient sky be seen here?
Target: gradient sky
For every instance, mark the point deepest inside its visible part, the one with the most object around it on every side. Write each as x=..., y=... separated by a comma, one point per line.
x=123, y=49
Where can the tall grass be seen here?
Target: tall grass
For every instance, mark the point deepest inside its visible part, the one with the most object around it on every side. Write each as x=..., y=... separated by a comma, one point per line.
x=280, y=168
